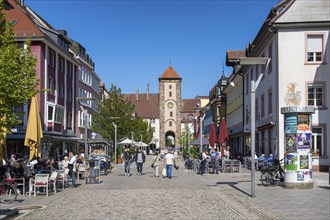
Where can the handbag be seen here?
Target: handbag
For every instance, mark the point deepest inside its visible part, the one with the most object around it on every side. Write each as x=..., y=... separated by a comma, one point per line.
x=164, y=172
x=176, y=166
x=152, y=165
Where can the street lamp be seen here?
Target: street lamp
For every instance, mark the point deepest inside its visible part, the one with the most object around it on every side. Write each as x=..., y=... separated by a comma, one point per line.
x=115, y=125
x=81, y=105
x=254, y=85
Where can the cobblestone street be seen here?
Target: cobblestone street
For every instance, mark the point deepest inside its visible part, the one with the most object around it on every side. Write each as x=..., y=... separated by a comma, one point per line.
x=185, y=196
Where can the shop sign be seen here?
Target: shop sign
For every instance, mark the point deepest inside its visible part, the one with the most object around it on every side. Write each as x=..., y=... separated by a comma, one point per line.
x=297, y=109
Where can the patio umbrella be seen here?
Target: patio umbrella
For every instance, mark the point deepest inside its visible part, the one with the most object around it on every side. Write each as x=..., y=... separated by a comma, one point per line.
x=127, y=141
x=34, y=130
x=223, y=135
x=212, y=136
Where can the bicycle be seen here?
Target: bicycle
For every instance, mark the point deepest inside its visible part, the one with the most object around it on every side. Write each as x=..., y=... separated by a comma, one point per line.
x=272, y=176
x=8, y=192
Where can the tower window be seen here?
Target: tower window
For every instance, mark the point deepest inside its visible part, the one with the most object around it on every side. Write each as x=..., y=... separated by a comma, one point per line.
x=170, y=94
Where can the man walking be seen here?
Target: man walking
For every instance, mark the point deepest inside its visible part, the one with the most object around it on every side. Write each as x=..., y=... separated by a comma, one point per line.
x=72, y=168
x=140, y=158
x=169, y=161
x=127, y=157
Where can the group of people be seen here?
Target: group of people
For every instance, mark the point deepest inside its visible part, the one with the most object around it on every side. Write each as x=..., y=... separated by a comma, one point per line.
x=139, y=158
x=25, y=168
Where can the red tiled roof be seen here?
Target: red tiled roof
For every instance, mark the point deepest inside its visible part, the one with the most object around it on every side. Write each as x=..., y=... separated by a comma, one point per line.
x=147, y=108
x=170, y=73
x=189, y=104
x=24, y=27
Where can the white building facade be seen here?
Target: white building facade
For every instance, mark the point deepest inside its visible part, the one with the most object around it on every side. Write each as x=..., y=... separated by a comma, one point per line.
x=296, y=38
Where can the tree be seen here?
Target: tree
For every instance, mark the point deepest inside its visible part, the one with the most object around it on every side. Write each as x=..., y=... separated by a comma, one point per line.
x=17, y=74
x=115, y=105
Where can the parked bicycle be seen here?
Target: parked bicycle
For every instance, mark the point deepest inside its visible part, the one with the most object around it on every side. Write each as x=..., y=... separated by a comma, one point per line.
x=272, y=175
x=8, y=192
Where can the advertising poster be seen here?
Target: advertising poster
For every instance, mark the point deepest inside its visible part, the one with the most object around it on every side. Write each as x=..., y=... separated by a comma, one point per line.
x=291, y=123
x=304, y=162
x=303, y=141
x=303, y=122
x=291, y=162
x=300, y=176
x=291, y=143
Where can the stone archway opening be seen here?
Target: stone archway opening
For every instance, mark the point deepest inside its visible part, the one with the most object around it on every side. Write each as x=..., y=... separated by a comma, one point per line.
x=170, y=139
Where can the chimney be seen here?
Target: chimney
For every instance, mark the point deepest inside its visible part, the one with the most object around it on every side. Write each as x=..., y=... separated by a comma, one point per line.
x=137, y=94
x=147, y=91
x=22, y=2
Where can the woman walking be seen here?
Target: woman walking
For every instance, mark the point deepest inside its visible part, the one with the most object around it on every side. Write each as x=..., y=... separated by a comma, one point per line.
x=155, y=164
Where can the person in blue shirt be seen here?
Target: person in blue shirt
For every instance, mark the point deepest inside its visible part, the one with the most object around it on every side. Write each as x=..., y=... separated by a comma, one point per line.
x=214, y=160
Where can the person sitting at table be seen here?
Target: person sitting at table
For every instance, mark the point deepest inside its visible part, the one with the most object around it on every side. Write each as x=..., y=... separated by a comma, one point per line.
x=53, y=165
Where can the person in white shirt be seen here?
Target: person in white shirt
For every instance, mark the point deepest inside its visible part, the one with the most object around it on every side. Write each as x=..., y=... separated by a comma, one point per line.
x=72, y=168
x=169, y=162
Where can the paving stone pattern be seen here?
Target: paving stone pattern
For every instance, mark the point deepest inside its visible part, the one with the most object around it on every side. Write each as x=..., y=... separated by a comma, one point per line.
x=185, y=196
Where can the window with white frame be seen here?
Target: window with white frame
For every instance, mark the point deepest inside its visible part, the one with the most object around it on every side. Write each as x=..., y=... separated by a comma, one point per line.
x=51, y=58
x=59, y=114
x=316, y=95
x=314, y=48
x=317, y=145
x=50, y=113
x=51, y=86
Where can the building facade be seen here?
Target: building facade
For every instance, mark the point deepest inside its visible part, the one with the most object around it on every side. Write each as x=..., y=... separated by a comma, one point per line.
x=297, y=41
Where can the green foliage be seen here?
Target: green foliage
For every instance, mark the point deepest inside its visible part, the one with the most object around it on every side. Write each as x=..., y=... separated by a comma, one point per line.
x=115, y=105
x=17, y=74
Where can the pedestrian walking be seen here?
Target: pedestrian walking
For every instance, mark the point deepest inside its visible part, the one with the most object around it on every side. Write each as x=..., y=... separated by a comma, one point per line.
x=203, y=162
x=127, y=158
x=155, y=164
x=72, y=168
x=214, y=160
x=140, y=158
x=169, y=161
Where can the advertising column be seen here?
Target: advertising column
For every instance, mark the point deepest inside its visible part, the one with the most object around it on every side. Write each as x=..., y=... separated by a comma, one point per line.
x=298, y=158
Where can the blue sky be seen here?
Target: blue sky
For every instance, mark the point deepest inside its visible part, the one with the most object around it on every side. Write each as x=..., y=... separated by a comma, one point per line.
x=133, y=42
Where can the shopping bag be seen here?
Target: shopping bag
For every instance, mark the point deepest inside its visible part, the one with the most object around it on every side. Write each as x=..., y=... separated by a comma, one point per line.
x=164, y=172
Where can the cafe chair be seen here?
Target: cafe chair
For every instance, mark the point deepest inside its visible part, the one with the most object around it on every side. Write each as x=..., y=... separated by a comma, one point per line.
x=40, y=181
x=52, y=180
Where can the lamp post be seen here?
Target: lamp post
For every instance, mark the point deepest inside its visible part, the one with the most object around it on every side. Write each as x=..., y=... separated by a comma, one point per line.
x=254, y=85
x=115, y=126
x=81, y=105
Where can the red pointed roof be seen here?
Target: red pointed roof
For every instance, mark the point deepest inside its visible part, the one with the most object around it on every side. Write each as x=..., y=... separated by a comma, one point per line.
x=170, y=73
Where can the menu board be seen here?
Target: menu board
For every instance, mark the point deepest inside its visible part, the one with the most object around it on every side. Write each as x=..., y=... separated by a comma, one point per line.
x=291, y=123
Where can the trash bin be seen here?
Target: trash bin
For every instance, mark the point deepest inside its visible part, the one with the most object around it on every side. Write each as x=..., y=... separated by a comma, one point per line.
x=92, y=171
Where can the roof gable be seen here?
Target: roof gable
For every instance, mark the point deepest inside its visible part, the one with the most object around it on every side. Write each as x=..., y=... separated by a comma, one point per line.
x=305, y=11
x=24, y=26
x=170, y=73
